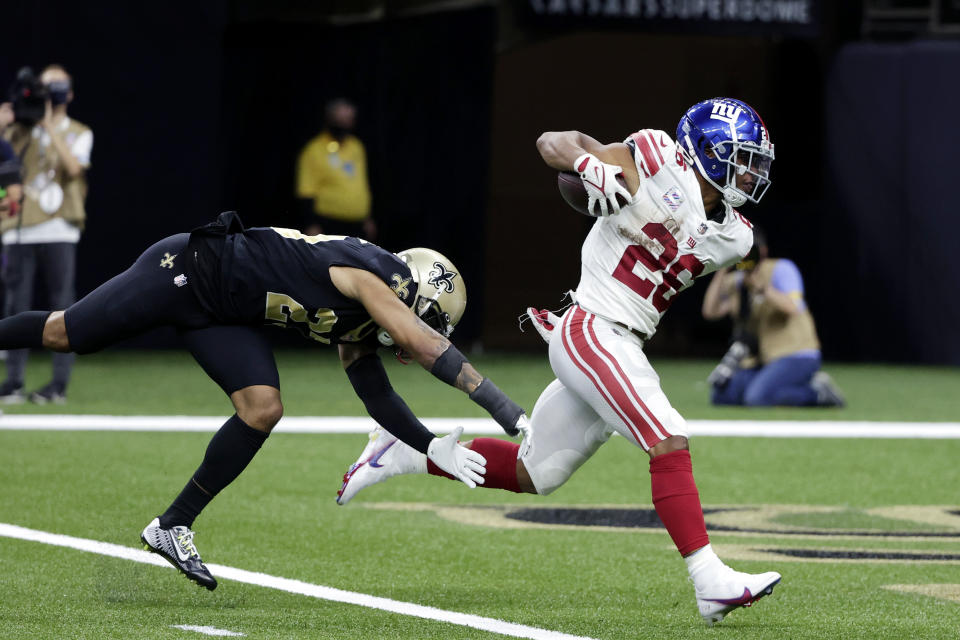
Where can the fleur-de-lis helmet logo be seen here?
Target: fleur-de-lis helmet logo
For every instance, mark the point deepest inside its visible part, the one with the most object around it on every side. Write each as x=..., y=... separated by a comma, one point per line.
x=441, y=278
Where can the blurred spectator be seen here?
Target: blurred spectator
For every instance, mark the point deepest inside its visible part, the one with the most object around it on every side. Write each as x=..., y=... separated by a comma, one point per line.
x=774, y=357
x=11, y=189
x=42, y=237
x=332, y=178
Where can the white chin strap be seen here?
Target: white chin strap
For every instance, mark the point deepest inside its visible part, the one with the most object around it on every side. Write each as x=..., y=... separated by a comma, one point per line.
x=733, y=196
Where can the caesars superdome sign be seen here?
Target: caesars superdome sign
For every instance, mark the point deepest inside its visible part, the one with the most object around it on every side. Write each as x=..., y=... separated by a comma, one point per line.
x=756, y=17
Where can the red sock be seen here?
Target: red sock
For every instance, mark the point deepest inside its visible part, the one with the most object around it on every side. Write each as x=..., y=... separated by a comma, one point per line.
x=677, y=501
x=501, y=458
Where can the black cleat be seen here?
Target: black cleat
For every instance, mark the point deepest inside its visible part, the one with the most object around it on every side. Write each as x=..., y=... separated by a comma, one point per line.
x=176, y=545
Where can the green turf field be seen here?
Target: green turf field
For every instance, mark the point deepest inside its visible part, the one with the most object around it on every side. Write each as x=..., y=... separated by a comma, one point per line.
x=130, y=382
x=433, y=542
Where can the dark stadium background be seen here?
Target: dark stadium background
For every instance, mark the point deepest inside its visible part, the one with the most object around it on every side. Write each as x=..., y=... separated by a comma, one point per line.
x=199, y=107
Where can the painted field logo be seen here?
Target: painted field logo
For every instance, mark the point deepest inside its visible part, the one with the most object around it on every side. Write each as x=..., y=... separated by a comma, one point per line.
x=790, y=533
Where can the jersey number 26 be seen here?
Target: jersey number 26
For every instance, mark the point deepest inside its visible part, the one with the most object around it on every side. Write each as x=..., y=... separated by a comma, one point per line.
x=666, y=262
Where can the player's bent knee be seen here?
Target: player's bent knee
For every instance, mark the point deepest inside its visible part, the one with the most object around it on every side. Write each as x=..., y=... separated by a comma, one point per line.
x=271, y=413
x=55, y=333
x=259, y=406
x=546, y=476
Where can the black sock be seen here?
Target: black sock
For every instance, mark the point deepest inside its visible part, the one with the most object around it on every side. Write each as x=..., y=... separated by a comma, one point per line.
x=230, y=451
x=23, y=330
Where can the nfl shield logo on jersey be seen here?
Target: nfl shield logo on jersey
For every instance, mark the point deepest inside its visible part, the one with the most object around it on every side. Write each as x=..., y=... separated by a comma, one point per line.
x=673, y=198
x=702, y=229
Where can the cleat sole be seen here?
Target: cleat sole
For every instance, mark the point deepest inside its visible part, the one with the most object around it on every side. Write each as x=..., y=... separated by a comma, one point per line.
x=720, y=615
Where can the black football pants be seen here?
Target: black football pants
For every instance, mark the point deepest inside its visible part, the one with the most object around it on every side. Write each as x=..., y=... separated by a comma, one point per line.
x=155, y=292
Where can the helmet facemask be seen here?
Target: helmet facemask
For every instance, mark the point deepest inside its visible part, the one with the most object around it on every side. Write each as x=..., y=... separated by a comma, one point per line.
x=745, y=158
x=436, y=318
x=726, y=139
x=441, y=294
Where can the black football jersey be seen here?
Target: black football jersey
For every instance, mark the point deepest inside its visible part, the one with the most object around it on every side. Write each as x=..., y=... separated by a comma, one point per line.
x=280, y=277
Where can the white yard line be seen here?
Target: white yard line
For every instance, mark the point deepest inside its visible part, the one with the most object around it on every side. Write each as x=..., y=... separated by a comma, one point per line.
x=205, y=630
x=350, y=424
x=293, y=586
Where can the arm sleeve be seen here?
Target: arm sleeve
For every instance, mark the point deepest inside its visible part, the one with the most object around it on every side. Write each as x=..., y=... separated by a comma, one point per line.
x=369, y=380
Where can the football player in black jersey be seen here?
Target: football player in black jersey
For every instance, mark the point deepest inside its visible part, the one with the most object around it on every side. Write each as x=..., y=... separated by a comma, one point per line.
x=217, y=285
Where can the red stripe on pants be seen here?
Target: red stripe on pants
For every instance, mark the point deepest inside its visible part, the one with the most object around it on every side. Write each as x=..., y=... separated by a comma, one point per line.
x=577, y=342
x=649, y=434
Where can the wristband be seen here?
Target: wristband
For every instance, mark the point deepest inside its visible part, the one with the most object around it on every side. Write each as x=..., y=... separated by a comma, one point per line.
x=504, y=410
x=447, y=367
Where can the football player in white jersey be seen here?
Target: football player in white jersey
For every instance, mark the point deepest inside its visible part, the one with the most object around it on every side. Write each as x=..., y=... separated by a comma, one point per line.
x=677, y=223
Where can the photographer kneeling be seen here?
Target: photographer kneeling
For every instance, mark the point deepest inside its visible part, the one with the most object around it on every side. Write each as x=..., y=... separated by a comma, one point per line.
x=774, y=358
x=41, y=236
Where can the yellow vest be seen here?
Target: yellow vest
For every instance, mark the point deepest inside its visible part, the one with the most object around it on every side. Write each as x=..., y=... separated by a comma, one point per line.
x=36, y=160
x=779, y=334
x=334, y=174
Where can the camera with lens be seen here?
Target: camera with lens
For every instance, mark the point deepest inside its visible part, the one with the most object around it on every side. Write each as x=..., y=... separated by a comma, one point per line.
x=29, y=97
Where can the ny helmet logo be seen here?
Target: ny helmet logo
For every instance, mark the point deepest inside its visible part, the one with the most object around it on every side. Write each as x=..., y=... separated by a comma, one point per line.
x=726, y=111
x=441, y=278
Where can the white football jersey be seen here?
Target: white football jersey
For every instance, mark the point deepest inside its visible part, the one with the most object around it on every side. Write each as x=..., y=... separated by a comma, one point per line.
x=635, y=262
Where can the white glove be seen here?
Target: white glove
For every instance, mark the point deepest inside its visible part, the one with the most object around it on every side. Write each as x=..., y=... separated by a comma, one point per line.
x=544, y=322
x=462, y=463
x=600, y=181
x=526, y=433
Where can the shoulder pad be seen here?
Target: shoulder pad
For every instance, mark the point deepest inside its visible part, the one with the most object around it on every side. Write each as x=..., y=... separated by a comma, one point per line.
x=651, y=150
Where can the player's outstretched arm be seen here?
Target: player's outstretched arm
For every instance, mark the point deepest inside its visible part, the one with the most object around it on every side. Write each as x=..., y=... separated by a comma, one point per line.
x=370, y=381
x=430, y=349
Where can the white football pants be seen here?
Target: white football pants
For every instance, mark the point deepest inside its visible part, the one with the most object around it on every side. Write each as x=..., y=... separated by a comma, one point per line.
x=604, y=384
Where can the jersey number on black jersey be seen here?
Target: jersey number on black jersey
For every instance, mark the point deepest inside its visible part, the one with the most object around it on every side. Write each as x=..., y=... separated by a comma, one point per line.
x=284, y=311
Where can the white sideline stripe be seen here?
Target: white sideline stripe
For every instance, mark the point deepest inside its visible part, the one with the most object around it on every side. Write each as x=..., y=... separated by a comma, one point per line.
x=205, y=630
x=293, y=586
x=351, y=424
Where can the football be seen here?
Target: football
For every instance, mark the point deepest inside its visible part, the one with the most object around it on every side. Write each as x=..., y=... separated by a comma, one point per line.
x=575, y=194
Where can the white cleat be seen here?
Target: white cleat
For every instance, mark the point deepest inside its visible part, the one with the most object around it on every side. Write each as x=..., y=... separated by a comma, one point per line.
x=384, y=457
x=733, y=589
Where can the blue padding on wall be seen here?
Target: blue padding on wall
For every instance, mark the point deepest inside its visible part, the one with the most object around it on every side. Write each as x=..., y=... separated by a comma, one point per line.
x=892, y=150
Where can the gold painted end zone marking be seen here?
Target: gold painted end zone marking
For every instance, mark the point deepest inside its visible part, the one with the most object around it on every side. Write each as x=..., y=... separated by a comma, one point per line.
x=941, y=591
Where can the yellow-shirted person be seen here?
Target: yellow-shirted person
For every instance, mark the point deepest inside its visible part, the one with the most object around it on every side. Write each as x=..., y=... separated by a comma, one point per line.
x=780, y=365
x=332, y=178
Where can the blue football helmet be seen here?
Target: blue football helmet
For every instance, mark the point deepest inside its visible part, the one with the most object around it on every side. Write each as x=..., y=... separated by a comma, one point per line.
x=726, y=138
